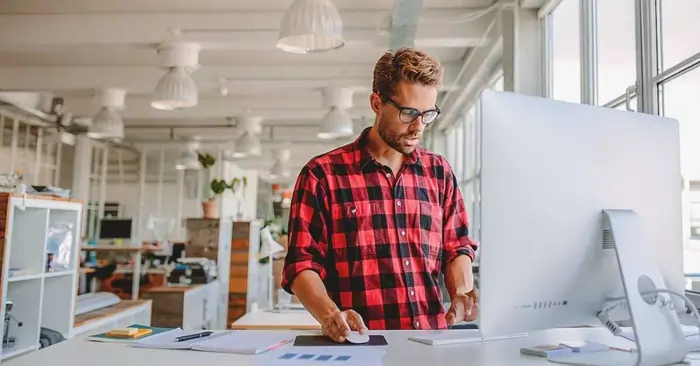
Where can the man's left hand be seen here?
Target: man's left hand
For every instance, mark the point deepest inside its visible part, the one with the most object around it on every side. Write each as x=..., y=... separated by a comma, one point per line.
x=465, y=307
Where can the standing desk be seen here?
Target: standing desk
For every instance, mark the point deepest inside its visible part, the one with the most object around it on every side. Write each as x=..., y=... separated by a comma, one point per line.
x=400, y=352
x=268, y=320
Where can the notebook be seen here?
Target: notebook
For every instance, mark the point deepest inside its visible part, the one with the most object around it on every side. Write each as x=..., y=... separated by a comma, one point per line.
x=246, y=342
x=104, y=337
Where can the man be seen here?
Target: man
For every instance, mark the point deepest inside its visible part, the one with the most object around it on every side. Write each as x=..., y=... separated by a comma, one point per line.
x=373, y=223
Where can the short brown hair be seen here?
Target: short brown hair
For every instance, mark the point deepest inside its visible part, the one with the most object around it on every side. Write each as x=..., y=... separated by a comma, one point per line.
x=408, y=65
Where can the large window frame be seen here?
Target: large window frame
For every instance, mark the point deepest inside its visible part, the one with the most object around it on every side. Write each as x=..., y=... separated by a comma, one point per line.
x=646, y=94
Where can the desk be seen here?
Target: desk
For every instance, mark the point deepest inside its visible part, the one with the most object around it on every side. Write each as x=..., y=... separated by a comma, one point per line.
x=292, y=319
x=400, y=352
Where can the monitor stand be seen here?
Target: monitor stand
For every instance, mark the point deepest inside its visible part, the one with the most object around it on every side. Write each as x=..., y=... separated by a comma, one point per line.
x=657, y=330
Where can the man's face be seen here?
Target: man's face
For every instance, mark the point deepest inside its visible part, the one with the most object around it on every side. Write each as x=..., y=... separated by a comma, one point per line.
x=400, y=135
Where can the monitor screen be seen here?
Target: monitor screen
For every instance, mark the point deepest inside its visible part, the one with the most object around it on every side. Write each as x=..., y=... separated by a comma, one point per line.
x=115, y=229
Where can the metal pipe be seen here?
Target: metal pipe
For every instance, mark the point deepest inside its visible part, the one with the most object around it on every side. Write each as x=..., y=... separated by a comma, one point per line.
x=37, y=156
x=13, y=144
x=142, y=195
x=161, y=168
x=59, y=157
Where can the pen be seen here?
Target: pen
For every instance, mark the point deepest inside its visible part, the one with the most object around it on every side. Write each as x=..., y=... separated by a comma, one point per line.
x=193, y=336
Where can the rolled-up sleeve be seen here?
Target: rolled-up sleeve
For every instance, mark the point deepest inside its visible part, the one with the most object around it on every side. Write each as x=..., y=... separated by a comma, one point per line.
x=455, y=233
x=307, y=229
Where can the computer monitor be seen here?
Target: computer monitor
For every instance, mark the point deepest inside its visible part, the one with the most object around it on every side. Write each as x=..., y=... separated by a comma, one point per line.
x=115, y=229
x=548, y=169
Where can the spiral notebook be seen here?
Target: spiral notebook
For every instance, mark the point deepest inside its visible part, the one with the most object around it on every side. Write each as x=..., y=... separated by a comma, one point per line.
x=246, y=342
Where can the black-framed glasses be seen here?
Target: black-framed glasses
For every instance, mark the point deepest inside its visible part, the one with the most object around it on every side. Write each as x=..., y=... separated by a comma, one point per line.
x=408, y=114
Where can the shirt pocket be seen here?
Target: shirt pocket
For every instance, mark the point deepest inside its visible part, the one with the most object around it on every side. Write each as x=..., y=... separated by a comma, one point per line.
x=430, y=220
x=353, y=237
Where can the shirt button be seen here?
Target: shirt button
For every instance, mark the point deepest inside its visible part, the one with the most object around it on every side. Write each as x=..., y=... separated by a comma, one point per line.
x=388, y=175
x=398, y=203
x=417, y=324
x=407, y=262
x=412, y=293
x=403, y=233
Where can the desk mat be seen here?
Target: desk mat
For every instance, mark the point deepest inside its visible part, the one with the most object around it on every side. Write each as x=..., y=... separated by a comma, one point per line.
x=320, y=340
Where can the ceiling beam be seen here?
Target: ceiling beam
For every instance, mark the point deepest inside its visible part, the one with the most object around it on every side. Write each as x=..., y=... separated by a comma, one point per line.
x=213, y=30
x=143, y=79
x=138, y=107
x=91, y=6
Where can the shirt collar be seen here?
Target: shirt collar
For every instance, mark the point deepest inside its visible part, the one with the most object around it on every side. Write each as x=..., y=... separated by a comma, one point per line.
x=364, y=157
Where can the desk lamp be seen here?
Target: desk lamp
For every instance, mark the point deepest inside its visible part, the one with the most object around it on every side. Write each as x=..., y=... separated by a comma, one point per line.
x=269, y=248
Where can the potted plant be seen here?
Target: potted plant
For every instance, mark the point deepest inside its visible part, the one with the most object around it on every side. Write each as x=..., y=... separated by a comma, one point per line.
x=209, y=207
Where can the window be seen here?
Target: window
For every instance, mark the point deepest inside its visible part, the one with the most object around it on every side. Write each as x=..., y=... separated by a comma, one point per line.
x=679, y=30
x=616, y=48
x=677, y=101
x=566, y=60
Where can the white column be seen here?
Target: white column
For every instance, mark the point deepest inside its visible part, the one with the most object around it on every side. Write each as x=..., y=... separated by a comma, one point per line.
x=82, y=159
x=523, y=51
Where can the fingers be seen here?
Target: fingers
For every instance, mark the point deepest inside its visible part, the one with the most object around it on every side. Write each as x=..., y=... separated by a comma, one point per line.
x=450, y=318
x=342, y=327
x=355, y=322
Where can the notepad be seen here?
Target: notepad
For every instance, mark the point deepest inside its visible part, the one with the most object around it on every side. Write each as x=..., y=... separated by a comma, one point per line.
x=232, y=341
x=246, y=342
x=166, y=340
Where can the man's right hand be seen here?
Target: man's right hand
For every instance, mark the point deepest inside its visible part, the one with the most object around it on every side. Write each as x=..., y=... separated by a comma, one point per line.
x=338, y=325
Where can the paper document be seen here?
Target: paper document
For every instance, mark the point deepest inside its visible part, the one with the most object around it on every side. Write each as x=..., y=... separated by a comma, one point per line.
x=247, y=342
x=319, y=356
x=166, y=340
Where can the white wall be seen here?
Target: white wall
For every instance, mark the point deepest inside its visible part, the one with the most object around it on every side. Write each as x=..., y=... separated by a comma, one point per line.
x=128, y=196
x=247, y=199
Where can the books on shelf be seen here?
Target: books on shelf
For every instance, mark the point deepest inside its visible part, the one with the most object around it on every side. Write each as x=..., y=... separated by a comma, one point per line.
x=244, y=342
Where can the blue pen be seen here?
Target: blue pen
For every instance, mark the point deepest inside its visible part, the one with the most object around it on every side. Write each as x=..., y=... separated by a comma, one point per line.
x=193, y=336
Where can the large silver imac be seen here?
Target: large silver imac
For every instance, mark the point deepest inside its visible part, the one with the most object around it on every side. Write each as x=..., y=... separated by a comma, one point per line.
x=570, y=194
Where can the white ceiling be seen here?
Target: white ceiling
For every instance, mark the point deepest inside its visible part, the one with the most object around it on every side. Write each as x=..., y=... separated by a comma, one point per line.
x=72, y=47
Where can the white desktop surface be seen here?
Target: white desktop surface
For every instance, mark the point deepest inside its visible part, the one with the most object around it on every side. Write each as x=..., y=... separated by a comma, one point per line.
x=400, y=351
x=264, y=319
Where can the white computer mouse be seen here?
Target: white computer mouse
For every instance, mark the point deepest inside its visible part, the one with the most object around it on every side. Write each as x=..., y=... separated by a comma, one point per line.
x=357, y=338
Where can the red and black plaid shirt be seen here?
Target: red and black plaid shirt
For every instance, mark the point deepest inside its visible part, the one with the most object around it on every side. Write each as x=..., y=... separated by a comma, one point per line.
x=378, y=241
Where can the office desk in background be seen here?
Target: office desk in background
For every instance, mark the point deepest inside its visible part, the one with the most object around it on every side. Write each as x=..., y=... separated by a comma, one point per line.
x=399, y=352
x=268, y=320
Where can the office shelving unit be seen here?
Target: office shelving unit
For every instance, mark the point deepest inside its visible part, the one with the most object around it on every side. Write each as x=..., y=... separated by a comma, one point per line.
x=41, y=297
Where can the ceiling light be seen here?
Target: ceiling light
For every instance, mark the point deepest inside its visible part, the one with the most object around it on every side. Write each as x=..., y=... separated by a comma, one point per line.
x=188, y=161
x=107, y=124
x=175, y=90
x=337, y=123
x=279, y=170
x=247, y=145
x=311, y=26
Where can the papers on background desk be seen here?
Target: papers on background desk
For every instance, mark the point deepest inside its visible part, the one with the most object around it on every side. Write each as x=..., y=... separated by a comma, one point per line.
x=319, y=356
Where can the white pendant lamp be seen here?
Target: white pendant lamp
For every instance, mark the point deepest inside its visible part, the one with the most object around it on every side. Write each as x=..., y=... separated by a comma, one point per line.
x=247, y=145
x=279, y=170
x=176, y=89
x=107, y=124
x=311, y=26
x=337, y=122
x=189, y=160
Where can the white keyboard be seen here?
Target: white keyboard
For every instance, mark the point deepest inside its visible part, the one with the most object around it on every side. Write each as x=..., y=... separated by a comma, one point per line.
x=95, y=301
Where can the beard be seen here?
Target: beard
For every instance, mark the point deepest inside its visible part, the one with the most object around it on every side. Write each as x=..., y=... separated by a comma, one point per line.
x=393, y=139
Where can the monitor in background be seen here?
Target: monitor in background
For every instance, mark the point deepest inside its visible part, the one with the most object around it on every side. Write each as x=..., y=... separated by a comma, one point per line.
x=115, y=229
x=548, y=171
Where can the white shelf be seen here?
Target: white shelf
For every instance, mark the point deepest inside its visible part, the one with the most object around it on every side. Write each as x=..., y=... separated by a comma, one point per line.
x=17, y=351
x=41, y=298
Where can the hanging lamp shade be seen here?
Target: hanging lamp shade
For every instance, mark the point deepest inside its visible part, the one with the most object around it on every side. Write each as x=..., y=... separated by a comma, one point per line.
x=337, y=123
x=311, y=26
x=247, y=145
x=175, y=90
x=279, y=170
x=188, y=161
x=107, y=124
